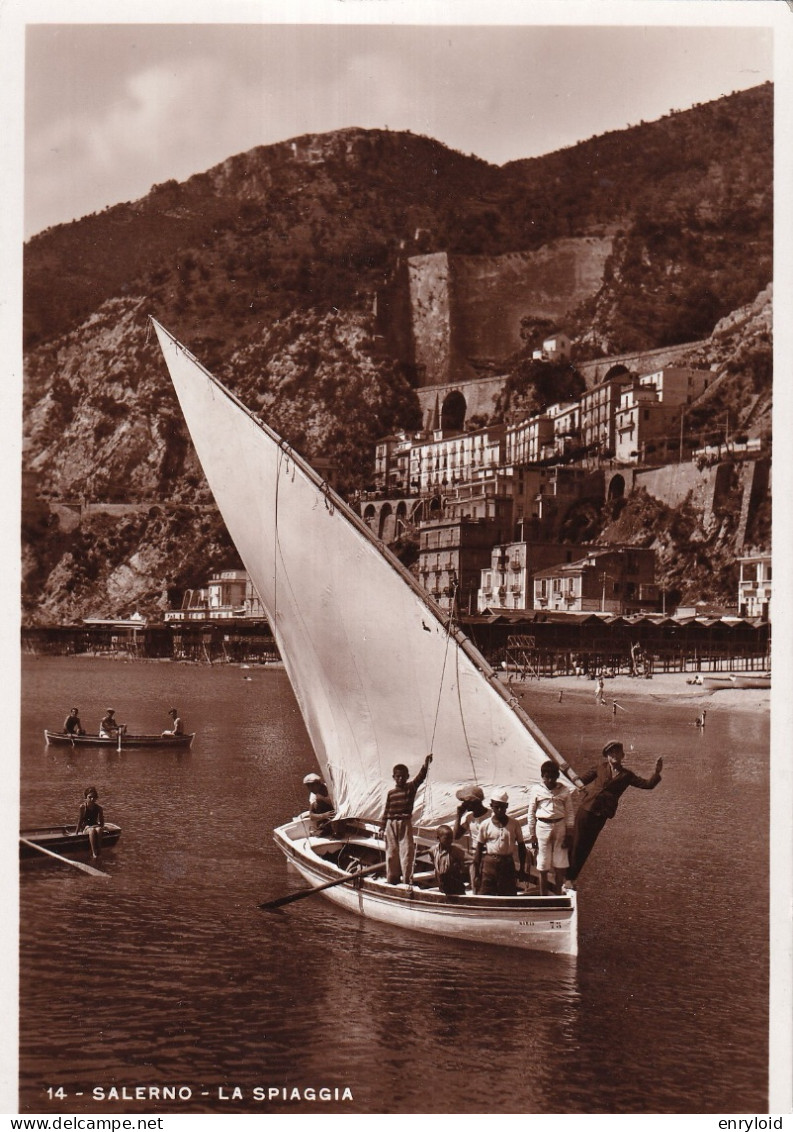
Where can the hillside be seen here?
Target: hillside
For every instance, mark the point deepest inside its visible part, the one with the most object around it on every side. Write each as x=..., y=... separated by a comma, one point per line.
x=266, y=267
x=321, y=219
x=691, y=208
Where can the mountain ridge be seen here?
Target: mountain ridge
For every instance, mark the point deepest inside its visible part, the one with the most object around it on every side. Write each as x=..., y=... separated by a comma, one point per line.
x=266, y=267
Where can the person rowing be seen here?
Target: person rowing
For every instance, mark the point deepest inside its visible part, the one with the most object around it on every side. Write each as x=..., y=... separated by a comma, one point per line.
x=110, y=728
x=177, y=727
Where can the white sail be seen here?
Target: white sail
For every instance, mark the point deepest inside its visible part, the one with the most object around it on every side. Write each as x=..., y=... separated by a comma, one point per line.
x=379, y=676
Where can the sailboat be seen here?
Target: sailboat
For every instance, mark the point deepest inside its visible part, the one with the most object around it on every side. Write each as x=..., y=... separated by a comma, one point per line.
x=381, y=674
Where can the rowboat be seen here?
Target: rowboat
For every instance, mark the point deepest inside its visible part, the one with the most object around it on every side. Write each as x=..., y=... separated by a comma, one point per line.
x=382, y=675
x=751, y=679
x=736, y=680
x=717, y=683
x=63, y=839
x=123, y=742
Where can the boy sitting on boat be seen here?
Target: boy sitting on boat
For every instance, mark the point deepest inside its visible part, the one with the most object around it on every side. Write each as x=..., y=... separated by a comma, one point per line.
x=400, y=848
x=451, y=871
x=320, y=805
x=177, y=727
x=91, y=819
x=72, y=724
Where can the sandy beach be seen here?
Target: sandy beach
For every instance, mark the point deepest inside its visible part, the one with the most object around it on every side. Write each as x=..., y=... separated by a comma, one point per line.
x=665, y=686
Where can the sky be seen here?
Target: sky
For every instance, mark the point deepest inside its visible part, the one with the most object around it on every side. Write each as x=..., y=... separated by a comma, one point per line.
x=110, y=110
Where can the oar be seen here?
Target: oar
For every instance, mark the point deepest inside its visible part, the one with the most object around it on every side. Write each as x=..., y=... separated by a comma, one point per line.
x=329, y=884
x=304, y=892
x=58, y=857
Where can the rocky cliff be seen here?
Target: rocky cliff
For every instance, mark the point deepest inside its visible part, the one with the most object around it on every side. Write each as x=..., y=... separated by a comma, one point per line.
x=267, y=267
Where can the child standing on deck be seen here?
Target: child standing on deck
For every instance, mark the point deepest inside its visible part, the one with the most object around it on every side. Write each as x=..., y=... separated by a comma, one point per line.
x=550, y=824
x=400, y=848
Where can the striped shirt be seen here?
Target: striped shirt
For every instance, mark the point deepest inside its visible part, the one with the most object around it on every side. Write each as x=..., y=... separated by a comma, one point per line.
x=400, y=800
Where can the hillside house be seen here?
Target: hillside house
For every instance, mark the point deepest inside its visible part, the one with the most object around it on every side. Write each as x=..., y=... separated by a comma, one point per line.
x=566, y=419
x=392, y=463
x=555, y=348
x=452, y=554
x=754, y=586
x=507, y=582
x=677, y=385
x=641, y=423
x=526, y=442
x=617, y=580
x=599, y=411
x=439, y=464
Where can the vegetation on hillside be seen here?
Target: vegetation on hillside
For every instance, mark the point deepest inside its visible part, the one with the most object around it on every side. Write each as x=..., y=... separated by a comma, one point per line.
x=693, y=562
x=311, y=224
x=106, y=566
x=533, y=385
x=266, y=267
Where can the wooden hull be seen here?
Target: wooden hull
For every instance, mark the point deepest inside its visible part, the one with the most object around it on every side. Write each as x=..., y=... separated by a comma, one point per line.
x=737, y=680
x=536, y=923
x=59, y=739
x=62, y=839
x=751, y=680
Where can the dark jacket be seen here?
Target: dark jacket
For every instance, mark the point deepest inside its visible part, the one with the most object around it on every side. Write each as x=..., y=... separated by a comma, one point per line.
x=603, y=798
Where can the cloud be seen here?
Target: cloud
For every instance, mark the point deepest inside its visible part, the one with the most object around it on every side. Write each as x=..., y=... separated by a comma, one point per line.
x=164, y=121
x=113, y=112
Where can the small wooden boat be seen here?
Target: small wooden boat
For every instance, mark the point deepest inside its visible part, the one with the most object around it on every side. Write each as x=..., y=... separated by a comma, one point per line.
x=127, y=741
x=718, y=682
x=737, y=680
x=751, y=679
x=63, y=839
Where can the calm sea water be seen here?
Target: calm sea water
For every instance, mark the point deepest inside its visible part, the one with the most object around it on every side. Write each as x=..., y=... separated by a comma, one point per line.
x=168, y=975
